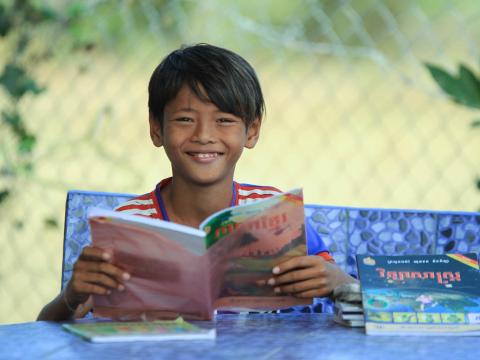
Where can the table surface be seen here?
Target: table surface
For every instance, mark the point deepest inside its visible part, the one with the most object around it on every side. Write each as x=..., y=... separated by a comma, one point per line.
x=252, y=336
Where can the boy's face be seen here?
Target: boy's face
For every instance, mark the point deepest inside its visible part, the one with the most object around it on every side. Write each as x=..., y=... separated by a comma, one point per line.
x=202, y=142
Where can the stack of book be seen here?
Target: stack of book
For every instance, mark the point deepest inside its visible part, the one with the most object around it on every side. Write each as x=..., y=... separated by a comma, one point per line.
x=348, y=309
x=349, y=314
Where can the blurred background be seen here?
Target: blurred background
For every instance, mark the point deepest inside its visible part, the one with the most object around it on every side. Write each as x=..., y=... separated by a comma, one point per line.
x=353, y=114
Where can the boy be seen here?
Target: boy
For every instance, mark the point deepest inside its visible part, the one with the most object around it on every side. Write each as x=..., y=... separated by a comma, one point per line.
x=205, y=105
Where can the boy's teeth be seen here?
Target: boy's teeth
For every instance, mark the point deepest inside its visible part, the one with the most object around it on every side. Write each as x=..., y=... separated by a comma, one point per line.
x=205, y=155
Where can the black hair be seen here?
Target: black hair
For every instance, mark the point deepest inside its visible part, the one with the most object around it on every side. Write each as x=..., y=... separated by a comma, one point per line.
x=214, y=74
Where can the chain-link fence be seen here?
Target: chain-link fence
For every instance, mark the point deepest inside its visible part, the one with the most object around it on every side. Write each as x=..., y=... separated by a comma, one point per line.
x=352, y=114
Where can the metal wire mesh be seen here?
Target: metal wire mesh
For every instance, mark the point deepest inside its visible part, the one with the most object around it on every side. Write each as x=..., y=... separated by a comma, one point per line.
x=352, y=114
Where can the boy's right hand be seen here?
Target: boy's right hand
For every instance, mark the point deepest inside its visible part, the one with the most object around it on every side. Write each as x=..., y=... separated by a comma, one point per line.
x=93, y=273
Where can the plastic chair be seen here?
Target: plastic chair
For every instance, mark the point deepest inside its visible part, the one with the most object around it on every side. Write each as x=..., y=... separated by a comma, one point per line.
x=76, y=231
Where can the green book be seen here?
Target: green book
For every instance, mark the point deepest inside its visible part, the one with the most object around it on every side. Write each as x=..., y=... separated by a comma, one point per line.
x=421, y=294
x=102, y=332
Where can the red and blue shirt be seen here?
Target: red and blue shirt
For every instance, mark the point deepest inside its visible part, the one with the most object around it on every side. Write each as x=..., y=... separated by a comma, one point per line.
x=151, y=205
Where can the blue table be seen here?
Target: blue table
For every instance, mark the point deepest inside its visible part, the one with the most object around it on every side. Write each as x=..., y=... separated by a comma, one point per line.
x=253, y=336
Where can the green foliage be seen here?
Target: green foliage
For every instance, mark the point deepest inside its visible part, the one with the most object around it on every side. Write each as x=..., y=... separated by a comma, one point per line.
x=5, y=21
x=20, y=21
x=4, y=194
x=463, y=88
x=51, y=222
x=17, y=82
x=26, y=140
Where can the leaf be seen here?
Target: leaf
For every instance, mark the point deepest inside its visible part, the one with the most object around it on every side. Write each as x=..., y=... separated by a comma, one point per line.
x=18, y=224
x=27, y=167
x=475, y=123
x=22, y=44
x=464, y=90
x=76, y=10
x=27, y=143
x=446, y=81
x=471, y=87
x=478, y=183
x=50, y=222
x=5, y=21
x=35, y=14
x=13, y=120
x=4, y=194
x=18, y=82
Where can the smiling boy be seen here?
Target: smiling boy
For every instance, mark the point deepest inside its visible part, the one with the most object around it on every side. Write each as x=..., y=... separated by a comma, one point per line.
x=205, y=106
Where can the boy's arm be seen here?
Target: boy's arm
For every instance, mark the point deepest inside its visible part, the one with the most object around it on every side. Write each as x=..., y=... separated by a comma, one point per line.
x=60, y=309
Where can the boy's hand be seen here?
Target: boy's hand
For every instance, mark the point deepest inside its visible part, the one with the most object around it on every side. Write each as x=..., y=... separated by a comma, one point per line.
x=307, y=277
x=93, y=273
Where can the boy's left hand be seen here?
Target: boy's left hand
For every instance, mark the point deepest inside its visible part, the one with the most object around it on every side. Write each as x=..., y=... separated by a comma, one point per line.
x=307, y=277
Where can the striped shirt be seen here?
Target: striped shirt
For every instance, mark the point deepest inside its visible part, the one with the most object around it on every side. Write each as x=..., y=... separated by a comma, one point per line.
x=151, y=205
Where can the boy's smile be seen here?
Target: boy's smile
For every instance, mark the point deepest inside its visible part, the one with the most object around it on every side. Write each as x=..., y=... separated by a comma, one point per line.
x=202, y=142
x=204, y=157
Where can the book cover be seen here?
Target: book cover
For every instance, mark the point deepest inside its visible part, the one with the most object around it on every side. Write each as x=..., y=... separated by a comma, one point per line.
x=178, y=270
x=420, y=294
x=102, y=332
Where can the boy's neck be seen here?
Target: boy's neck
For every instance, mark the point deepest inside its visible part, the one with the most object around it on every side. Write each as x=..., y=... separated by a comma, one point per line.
x=189, y=204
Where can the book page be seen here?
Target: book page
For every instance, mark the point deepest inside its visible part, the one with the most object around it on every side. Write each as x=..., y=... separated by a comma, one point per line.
x=166, y=279
x=227, y=220
x=190, y=238
x=242, y=261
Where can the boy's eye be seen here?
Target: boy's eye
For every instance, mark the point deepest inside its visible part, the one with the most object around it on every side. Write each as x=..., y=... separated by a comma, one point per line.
x=183, y=119
x=225, y=121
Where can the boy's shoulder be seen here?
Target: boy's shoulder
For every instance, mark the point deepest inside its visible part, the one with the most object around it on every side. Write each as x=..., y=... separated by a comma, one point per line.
x=140, y=205
x=246, y=193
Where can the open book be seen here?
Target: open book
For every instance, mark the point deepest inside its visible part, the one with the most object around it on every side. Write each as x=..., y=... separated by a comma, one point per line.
x=179, y=270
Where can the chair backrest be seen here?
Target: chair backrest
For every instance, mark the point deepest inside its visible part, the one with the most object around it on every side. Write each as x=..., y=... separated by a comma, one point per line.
x=349, y=231
x=76, y=231
x=346, y=231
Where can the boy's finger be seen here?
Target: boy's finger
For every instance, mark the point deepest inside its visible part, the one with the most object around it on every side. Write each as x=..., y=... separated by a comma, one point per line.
x=294, y=263
x=295, y=276
x=92, y=253
x=298, y=287
x=100, y=279
x=321, y=292
x=95, y=289
x=104, y=267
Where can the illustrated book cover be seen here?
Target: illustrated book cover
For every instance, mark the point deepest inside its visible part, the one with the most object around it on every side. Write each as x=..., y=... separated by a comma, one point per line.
x=178, y=270
x=103, y=332
x=421, y=294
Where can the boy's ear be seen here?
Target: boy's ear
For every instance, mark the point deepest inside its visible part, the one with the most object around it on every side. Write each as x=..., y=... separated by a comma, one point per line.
x=155, y=130
x=253, y=133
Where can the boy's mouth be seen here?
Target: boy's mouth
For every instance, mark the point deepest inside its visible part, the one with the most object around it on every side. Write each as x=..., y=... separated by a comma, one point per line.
x=204, y=156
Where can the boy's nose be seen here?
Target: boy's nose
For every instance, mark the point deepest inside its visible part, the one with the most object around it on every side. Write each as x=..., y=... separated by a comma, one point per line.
x=203, y=133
